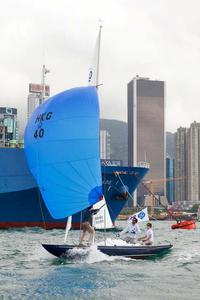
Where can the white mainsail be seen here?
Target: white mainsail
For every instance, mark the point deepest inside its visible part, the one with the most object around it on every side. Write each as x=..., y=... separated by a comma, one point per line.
x=93, y=78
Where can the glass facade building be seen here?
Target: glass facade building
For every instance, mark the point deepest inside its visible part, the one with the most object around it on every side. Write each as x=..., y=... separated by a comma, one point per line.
x=170, y=185
x=146, y=129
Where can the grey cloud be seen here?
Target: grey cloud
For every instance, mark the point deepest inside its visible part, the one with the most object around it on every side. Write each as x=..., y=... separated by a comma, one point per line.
x=157, y=39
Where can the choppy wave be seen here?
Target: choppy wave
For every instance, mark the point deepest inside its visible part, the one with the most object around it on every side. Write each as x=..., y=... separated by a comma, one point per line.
x=27, y=271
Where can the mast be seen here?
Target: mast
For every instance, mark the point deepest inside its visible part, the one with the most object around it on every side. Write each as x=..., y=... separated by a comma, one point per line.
x=44, y=72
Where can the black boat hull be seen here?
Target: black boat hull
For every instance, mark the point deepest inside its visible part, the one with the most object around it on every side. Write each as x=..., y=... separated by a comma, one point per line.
x=136, y=252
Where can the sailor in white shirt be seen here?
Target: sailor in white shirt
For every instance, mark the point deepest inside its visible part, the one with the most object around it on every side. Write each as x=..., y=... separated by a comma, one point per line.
x=129, y=234
x=148, y=239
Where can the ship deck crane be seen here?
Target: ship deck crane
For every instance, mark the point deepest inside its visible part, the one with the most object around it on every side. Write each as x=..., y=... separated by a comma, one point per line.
x=152, y=183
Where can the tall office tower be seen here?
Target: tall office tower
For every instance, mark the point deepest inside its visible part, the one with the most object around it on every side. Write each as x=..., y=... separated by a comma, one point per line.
x=8, y=125
x=194, y=162
x=146, y=129
x=181, y=164
x=105, y=144
x=35, y=97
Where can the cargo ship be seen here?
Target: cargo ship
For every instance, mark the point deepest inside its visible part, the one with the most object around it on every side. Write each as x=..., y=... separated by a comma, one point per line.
x=21, y=202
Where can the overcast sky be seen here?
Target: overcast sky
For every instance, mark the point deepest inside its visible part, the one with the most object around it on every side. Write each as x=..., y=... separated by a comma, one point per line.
x=152, y=38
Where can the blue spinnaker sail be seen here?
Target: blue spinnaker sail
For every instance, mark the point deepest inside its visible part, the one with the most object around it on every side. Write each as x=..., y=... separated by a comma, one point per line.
x=62, y=149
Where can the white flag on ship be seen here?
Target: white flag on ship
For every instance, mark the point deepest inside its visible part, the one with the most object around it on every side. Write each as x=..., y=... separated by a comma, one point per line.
x=141, y=216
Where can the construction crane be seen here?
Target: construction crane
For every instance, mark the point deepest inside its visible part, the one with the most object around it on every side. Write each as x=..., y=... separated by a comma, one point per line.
x=152, y=183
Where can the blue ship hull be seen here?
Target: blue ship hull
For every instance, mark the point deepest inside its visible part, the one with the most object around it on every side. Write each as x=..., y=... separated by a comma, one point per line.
x=21, y=203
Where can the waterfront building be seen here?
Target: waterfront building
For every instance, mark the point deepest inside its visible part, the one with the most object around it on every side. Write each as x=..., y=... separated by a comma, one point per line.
x=181, y=164
x=170, y=188
x=187, y=164
x=194, y=162
x=35, y=97
x=105, y=150
x=8, y=125
x=146, y=129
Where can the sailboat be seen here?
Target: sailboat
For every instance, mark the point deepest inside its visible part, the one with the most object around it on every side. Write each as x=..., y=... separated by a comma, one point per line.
x=62, y=149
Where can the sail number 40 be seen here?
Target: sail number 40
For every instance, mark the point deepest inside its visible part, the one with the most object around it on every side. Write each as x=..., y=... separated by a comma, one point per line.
x=39, y=133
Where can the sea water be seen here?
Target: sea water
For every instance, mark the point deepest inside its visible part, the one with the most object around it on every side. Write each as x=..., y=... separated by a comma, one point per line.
x=27, y=271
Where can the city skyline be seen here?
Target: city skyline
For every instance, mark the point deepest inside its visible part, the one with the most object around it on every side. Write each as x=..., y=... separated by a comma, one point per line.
x=151, y=41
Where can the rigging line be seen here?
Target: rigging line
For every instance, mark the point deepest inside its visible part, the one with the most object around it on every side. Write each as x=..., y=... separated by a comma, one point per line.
x=80, y=227
x=114, y=214
x=102, y=206
x=42, y=213
x=125, y=188
x=116, y=173
x=108, y=205
x=150, y=192
x=140, y=207
x=39, y=194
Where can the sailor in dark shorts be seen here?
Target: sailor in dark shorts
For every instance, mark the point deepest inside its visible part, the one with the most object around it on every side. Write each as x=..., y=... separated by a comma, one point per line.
x=86, y=225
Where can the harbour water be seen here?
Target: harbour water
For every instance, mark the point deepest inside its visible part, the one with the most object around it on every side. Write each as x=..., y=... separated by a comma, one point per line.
x=27, y=271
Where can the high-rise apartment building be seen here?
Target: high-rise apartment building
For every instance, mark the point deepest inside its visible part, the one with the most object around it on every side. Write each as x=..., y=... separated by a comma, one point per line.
x=194, y=162
x=105, y=144
x=181, y=164
x=146, y=128
x=187, y=163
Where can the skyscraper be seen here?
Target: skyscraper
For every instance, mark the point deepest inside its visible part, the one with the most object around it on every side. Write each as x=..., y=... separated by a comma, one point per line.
x=194, y=162
x=187, y=164
x=146, y=128
x=104, y=144
x=181, y=164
